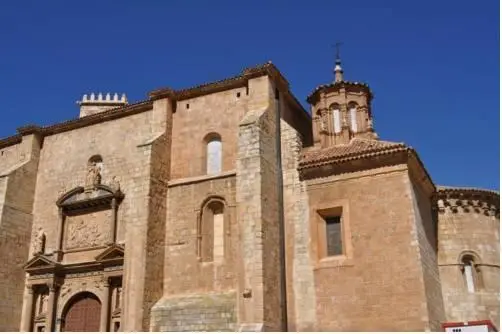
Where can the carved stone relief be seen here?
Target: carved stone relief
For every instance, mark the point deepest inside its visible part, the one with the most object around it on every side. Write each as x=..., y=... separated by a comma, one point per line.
x=88, y=230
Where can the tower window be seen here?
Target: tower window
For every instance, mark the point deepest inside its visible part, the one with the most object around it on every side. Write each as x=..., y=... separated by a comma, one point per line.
x=353, y=117
x=336, y=118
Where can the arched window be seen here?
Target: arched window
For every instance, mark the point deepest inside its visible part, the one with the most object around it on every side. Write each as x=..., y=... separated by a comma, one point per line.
x=471, y=273
x=211, y=228
x=353, y=116
x=336, y=118
x=213, y=154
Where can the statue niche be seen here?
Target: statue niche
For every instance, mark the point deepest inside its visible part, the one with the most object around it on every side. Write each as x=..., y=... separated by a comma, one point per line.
x=93, y=178
x=39, y=242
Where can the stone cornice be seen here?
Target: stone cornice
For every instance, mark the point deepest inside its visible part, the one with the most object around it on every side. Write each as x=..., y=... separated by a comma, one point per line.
x=200, y=178
x=9, y=141
x=240, y=80
x=466, y=200
x=314, y=97
x=77, y=123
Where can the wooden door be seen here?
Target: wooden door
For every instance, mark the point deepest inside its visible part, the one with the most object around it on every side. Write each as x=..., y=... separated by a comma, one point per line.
x=83, y=314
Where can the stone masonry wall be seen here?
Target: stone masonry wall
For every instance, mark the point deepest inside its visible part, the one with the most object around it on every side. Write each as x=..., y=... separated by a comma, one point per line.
x=17, y=187
x=259, y=268
x=214, y=113
x=201, y=312
x=300, y=274
x=125, y=145
x=160, y=154
x=377, y=285
x=185, y=276
x=427, y=242
x=189, y=188
x=468, y=230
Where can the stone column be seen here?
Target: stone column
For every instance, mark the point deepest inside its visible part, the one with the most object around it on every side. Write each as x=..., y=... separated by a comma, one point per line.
x=113, y=227
x=49, y=322
x=27, y=311
x=59, y=248
x=105, y=308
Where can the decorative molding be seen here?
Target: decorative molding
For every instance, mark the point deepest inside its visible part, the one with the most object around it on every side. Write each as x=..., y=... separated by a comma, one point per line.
x=40, y=264
x=78, y=198
x=467, y=200
x=114, y=268
x=200, y=179
x=321, y=90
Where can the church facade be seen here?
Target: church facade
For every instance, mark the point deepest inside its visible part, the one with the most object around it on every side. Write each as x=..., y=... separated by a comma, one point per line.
x=228, y=207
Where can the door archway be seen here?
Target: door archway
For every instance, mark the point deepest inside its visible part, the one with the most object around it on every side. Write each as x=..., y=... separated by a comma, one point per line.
x=82, y=314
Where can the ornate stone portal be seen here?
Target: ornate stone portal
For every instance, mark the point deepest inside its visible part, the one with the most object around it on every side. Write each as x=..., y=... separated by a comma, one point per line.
x=87, y=259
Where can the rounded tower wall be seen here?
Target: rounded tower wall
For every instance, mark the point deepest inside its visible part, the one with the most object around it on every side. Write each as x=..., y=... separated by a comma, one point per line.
x=469, y=253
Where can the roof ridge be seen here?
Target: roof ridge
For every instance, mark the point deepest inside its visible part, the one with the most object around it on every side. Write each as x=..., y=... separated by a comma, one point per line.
x=378, y=141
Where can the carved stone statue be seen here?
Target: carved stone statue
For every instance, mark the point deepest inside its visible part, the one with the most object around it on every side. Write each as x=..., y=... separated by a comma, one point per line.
x=43, y=303
x=93, y=178
x=39, y=242
x=115, y=185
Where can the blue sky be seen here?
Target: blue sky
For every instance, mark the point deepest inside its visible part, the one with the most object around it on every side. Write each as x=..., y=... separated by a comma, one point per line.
x=433, y=65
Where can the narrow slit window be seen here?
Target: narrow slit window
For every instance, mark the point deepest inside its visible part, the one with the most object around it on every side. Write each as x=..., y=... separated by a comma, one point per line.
x=214, y=157
x=471, y=273
x=334, y=235
x=469, y=277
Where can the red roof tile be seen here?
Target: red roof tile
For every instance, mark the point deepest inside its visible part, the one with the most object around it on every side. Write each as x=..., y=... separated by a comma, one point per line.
x=356, y=148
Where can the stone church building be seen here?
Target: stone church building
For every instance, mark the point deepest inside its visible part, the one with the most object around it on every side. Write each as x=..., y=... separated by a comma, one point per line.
x=229, y=207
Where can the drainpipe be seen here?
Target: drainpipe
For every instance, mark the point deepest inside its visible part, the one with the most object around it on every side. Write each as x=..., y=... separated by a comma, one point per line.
x=280, y=193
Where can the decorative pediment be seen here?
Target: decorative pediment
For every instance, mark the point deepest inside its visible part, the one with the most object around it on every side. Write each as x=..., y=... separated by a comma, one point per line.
x=82, y=198
x=113, y=255
x=40, y=264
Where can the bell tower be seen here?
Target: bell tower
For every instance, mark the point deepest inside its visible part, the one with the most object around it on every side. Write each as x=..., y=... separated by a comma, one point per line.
x=341, y=110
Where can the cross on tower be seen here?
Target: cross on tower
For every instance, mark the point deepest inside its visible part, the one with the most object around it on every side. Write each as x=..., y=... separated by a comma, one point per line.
x=337, y=48
x=338, y=63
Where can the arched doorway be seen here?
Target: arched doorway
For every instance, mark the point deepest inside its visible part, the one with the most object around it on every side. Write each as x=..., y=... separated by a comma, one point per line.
x=83, y=313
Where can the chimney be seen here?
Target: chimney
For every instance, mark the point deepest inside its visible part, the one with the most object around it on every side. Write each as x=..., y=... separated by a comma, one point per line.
x=93, y=104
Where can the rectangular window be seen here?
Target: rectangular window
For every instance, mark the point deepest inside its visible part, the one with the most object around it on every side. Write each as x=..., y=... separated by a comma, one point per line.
x=334, y=235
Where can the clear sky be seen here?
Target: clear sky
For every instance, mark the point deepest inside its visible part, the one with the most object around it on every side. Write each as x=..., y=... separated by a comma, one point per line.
x=433, y=65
